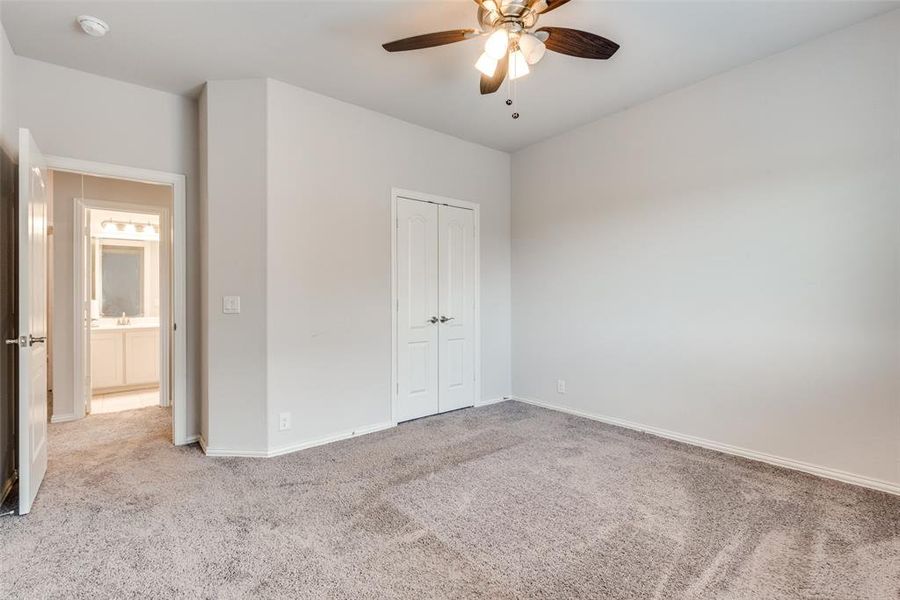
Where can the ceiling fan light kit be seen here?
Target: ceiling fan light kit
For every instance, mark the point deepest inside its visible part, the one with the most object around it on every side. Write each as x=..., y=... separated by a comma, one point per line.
x=487, y=64
x=518, y=66
x=497, y=44
x=513, y=44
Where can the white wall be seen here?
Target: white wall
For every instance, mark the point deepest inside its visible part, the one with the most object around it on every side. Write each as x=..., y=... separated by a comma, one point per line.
x=79, y=115
x=331, y=169
x=234, y=216
x=722, y=262
x=9, y=127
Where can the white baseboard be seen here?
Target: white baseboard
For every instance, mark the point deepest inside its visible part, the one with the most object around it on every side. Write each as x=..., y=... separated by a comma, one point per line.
x=222, y=452
x=828, y=473
x=329, y=439
x=64, y=418
x=492, y=401
x=297, y=446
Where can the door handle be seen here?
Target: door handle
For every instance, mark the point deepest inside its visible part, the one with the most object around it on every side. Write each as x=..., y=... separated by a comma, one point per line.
x=14, y=341
x=433, y=320
x=32, y=339
x=445, y=319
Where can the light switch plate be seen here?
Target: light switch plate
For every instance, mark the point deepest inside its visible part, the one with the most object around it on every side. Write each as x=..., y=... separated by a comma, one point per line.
x=231, y=305
x=560, y=386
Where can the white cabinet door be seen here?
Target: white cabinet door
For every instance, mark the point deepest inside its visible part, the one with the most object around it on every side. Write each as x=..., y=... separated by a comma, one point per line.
x=456, y=341
x=141, y=356
x=107, y=359
x=417, y=309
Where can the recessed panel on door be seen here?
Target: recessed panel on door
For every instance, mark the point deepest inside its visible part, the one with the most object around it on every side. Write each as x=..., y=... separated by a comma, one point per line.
x=417, y=309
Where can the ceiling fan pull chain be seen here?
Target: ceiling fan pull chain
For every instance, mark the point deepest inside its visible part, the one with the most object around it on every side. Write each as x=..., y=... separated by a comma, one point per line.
x=509, y=83
x=515, y=86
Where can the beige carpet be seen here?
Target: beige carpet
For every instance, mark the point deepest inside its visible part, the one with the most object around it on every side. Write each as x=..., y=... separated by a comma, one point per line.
x=505, y=501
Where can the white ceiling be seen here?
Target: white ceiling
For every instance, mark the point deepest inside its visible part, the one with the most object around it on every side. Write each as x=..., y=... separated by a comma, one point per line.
x=335, y=48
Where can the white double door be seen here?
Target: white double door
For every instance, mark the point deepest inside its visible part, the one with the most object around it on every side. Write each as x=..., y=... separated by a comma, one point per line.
x=435, y=308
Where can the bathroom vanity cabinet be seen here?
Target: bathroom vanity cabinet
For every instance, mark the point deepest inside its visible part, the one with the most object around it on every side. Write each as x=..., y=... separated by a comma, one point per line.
x=124, y=357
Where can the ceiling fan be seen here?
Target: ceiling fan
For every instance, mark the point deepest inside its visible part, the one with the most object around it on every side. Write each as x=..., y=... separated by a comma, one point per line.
x=513, y=43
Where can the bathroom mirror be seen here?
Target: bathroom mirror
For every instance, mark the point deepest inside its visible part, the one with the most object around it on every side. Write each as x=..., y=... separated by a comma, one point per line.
x=122, y=280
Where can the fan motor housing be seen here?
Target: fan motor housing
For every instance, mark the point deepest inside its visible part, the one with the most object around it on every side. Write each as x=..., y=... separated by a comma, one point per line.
x=514, y=15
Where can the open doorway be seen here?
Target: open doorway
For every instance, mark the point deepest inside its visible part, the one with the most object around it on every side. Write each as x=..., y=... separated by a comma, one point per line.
x=122, y=293
x=117, y=292
x=111, y=302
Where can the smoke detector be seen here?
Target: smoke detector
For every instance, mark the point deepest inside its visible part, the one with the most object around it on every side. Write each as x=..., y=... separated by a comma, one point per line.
x=93, y=26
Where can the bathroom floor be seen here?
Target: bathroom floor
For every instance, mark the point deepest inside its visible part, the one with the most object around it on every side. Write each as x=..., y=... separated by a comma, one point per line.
x=112, y=403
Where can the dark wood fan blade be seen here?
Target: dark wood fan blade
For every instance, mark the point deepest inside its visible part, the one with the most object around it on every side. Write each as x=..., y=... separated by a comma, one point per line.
x=550, y=4
x=489, y=85
x=428, y=40
x=578, y=43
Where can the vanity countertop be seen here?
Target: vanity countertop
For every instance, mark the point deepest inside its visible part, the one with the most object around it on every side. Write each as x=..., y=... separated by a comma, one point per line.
x=113, y=327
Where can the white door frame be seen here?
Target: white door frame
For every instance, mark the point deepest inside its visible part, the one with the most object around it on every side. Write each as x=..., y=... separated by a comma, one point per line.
x=80, y=278
x=397, y=193
x=178, y=235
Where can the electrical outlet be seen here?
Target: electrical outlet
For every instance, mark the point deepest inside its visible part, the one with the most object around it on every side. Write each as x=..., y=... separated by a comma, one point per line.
x=284, y=421
x=560, y=386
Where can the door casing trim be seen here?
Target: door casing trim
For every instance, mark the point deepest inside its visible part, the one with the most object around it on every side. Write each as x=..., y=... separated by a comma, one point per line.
x=80, y=279
x=180, y=400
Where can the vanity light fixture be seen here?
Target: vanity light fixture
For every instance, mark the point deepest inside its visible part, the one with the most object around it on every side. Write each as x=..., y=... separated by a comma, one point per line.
x=126, y=227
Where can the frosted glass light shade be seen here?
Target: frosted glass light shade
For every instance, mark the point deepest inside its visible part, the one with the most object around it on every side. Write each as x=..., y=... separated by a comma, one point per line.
x=532, y=48
x=497, y=44
x=486, y=64
x=518, y=66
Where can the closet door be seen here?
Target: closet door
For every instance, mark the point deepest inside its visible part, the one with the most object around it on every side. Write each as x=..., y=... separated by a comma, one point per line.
x=417, y=309
x=456, y=339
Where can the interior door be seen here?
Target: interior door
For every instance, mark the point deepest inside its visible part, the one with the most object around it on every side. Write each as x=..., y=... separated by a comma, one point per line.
x=417, y=309
x=456, y=328
x=34, y=193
